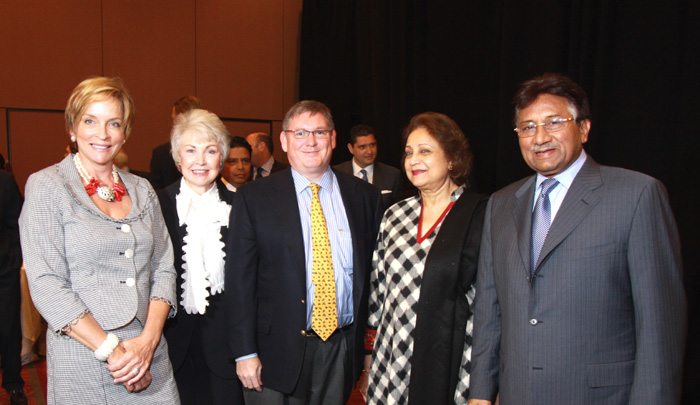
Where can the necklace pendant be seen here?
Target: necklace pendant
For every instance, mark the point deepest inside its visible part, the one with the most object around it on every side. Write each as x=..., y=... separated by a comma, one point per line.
x=106, y=194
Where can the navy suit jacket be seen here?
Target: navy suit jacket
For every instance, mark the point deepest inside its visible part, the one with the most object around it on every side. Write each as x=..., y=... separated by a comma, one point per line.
x=386, y=178
x=604, y=319
x=266, y=282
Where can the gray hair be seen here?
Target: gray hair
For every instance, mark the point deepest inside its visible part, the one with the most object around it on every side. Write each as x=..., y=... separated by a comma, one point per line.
x=207, y=124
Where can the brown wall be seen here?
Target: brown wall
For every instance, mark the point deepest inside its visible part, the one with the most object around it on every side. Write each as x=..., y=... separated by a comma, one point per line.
x=240, y=57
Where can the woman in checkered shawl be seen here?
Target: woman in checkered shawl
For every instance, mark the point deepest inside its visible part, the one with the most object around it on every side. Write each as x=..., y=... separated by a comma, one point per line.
x=419, y=326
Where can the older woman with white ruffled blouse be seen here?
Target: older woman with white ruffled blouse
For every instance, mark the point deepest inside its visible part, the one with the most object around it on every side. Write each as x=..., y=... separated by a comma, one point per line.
x=197, y=210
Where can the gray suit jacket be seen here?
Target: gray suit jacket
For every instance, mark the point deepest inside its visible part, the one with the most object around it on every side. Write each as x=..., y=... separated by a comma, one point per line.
x=78, y=259
x=386, y=178
x=604, y=319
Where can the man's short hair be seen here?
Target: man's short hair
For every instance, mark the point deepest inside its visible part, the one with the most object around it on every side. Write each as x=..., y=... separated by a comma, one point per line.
x=308, y=106
x=555, y=84
x=266, y=139
x=187, y=103
x=239, y=142
x=360, y=130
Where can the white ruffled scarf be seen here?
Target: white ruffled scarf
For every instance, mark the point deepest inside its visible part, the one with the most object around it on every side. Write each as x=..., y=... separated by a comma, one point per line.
x=203, y=255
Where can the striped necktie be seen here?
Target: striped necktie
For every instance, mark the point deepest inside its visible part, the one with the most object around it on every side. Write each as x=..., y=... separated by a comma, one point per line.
x=363, y=172
x=324, y=317
x=541, y=218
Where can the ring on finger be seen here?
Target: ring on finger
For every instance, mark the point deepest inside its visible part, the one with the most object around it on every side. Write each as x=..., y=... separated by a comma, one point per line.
x=135, y=371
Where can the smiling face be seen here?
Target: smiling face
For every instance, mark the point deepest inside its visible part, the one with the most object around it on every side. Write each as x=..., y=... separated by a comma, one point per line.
x=551, y=153
x=310, y=156
x=425, y=161
x=200, y=158
x=99, y=134
x=364, y=150
x=238, y=168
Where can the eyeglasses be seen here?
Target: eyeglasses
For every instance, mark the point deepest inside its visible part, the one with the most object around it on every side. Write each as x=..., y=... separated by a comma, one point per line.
x=303, y=133
x=529, y=128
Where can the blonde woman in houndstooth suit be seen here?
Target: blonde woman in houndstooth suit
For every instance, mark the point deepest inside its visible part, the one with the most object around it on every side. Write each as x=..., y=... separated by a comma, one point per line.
x=99, y=262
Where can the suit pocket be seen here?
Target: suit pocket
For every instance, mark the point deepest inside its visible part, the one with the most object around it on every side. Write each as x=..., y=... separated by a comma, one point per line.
x=610, y=374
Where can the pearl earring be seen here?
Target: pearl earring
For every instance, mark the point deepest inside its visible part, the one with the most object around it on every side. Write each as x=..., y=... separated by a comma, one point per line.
x=72, y=138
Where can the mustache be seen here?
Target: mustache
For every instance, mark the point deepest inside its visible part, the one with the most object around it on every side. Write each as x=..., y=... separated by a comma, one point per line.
x=548, y=145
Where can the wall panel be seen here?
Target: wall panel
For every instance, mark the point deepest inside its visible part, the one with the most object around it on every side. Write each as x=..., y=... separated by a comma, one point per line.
x=3, y=132
x=292, y=46
x=46, y=48
x=39, y=139
x=151, y=46
x=239, y=57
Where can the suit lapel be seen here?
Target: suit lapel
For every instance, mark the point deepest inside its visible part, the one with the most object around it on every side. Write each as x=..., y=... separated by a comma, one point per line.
x=286, y=209
x=579, y=201
x=522, y=216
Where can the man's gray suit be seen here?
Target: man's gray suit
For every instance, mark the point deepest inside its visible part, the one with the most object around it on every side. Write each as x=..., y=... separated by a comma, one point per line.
x=386, y=178
x=604, y=319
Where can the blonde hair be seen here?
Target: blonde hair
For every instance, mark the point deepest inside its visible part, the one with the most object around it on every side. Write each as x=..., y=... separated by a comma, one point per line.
x=97, y=89
x=204, y=122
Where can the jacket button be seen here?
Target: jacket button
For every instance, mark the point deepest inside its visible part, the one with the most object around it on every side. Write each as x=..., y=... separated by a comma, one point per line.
x=533, y=321
x=130, y=282
x=129, y=253
x=303, y=301
x=303, y=332
x=126, y=228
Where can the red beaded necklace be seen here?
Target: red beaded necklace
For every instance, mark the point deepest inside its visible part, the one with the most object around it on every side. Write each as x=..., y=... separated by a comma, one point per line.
x=93, y=185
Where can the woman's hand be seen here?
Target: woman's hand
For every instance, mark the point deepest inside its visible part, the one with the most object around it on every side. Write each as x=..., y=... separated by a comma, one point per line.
x=141, y=384
x=137, y=356
x=364, y=378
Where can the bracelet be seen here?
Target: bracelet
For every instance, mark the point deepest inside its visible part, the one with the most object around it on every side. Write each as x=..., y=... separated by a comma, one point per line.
x=107, y=347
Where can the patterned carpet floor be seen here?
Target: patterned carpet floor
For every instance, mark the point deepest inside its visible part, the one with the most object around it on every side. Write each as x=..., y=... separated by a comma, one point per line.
x=34, y=376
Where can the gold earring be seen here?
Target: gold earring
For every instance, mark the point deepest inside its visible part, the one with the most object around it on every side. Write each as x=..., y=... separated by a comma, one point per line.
x=449, y=166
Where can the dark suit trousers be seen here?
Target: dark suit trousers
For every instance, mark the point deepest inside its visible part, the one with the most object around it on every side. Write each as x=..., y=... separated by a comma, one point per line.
x=10, y=333
x=325, y=379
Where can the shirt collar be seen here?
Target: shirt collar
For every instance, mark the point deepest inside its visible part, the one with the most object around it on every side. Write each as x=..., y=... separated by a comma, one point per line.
x=567, y=176
x=301, y=183
x=356, y=168
x=268, y=165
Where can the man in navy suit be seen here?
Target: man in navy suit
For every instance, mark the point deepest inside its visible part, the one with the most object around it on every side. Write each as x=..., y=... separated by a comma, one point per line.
x=363, y=146
x=264, y=163
x=589, y=309
x=10, y=265
x=281, y=359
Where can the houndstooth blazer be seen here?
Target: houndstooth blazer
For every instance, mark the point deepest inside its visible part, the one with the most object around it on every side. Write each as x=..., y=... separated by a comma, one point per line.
x=78, y=259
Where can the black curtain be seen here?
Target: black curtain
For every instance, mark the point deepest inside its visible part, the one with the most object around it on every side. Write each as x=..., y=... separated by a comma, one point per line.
x=381, y=62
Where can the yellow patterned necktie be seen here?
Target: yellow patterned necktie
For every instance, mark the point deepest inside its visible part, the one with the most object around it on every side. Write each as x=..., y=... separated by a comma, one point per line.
x=324, y=316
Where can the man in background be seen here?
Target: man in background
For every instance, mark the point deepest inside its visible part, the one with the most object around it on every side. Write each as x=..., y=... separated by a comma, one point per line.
x=363, y=146
x=10, y=265
x=164, y=172
x=237, y=168
x=263, y=161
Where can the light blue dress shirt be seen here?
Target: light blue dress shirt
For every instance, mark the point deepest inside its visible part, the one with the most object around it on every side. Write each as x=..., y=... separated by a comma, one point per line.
x=339, y=236
x=565, y=178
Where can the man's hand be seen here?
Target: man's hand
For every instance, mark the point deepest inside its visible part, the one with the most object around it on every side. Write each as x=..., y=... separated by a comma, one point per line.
x=249, y=371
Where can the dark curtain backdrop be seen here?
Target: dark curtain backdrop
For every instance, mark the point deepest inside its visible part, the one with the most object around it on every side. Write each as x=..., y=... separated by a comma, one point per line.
x=381, y=62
